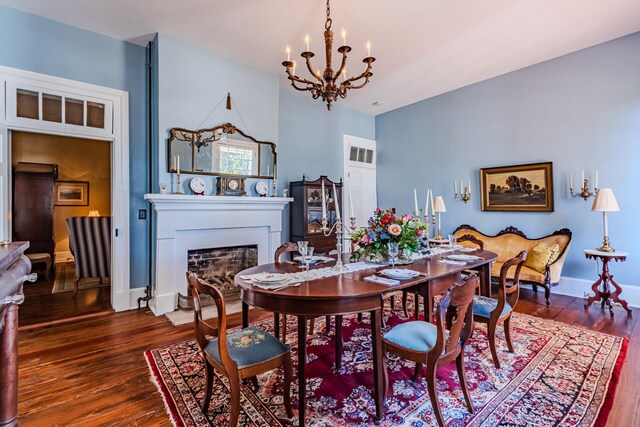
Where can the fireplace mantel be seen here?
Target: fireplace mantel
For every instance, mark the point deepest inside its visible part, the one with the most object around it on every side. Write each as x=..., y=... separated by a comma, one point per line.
x=187, y=222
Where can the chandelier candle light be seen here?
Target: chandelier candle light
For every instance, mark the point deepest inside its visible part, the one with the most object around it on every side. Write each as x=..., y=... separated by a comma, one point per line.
x=465, y=192
x=584, y=189
x=326, y=85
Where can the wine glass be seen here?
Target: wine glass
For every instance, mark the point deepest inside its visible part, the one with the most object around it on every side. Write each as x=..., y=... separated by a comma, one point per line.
x=307, y=259
x=393, y=253
x=303, y=246
x=452, y=240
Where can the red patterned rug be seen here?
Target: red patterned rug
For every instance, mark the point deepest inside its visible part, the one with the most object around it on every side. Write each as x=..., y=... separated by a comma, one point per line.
x=559, y=375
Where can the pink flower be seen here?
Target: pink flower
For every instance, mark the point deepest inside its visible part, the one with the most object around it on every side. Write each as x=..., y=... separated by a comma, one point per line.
x=395, y=229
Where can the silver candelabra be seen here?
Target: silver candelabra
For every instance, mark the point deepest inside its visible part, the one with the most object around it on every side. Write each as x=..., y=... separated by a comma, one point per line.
x=337, y=227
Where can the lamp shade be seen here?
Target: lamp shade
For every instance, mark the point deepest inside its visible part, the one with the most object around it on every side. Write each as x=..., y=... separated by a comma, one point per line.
x=605, y=201
x=439, y=205
x=94, y=212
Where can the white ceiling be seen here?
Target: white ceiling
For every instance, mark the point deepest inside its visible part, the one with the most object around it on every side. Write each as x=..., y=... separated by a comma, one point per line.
x=422, y=47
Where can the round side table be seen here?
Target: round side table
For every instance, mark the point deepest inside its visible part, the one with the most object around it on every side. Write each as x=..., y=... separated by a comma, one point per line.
x=605, y=296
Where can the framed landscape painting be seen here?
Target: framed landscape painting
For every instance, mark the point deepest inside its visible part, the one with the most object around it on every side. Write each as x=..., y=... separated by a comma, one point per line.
x=71, y=193
x=520, y=188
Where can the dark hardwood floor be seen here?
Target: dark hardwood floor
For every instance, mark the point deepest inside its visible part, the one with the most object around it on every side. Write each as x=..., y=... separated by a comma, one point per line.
x=43, y=307
x=92, y=371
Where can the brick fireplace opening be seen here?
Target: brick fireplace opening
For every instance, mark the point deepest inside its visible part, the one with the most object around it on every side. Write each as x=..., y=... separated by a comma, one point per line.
x=218, y=267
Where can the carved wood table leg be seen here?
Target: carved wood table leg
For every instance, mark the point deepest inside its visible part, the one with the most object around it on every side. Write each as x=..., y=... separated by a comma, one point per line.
x=339, y=342
x=302, y=361
x=378, y=363
x=245, y=314
x=606, y=296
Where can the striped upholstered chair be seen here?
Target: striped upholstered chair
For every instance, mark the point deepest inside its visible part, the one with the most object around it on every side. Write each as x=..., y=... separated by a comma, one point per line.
x=90, y=244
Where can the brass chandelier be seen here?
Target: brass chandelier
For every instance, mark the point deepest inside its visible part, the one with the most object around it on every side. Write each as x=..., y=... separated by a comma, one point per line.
x=326, y=85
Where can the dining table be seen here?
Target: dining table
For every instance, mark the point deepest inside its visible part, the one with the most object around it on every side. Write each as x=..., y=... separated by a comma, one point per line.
x=349, y=293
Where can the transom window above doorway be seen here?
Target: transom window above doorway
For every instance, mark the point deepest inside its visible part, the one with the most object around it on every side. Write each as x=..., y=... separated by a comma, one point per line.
x=52, y=109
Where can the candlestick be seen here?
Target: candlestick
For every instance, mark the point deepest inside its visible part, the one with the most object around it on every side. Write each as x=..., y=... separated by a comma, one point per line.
x=455, y=187
x=306, y=40
x=582, y=180
x=469, y=187
x=596, y=186
x=344, y=37
x=433, y=211
x=288, y=53
x=335, y=201
x=415, y=202
x=351, y=211
x=426, y=206
x=178, y=165
x=368, y=48
x=324, y=203
x=570, y=181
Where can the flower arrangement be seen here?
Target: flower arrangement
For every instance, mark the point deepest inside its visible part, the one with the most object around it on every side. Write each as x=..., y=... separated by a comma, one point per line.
x=384, y=227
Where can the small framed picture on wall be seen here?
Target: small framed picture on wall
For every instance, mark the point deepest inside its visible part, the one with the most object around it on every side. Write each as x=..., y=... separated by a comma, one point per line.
x=71, y=193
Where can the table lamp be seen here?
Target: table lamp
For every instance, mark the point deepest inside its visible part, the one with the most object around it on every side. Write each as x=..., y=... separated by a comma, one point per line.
x=439, y=207
x=605, y=202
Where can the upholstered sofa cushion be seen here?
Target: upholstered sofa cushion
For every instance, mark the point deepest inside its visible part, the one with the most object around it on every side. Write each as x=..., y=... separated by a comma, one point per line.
x=540, y=256
x=416, y=335
x=483, y=306
x=248, y=347
x=526, y=274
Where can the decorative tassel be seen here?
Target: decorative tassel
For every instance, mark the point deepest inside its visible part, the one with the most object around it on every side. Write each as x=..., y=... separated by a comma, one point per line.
x=228, y=100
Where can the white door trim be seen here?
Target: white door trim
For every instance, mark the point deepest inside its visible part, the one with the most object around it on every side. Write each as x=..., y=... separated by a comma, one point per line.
x=119, y=136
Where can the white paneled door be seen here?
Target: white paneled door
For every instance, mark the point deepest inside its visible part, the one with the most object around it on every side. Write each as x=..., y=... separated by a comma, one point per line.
x=360, y=177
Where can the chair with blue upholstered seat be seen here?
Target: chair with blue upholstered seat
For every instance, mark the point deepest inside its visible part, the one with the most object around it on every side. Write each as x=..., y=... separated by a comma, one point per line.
x=491, y=310
x=240, y=354
x=438, y=345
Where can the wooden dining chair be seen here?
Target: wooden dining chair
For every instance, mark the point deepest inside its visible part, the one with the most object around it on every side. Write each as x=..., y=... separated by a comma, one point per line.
x=243, y=353
x=437, y=345
x=492, y=311
x=471, y=238
x=277, y=317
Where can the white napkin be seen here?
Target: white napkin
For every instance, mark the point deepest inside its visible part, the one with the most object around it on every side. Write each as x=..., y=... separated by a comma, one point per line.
x=382, y=280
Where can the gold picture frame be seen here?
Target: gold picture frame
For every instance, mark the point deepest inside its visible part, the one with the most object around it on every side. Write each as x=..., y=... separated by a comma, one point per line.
x=518, y=188
x=71, y=193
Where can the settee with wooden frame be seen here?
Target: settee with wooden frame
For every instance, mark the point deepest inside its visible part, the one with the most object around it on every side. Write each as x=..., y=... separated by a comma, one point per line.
x=509, y=242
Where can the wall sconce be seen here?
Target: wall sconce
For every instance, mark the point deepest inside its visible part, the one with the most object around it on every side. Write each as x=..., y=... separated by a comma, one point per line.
x=94, y=212
x=584, y=189
x=465, y=192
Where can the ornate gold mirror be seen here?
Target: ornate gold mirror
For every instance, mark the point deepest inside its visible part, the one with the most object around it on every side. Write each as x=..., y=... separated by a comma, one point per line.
x=221, y=151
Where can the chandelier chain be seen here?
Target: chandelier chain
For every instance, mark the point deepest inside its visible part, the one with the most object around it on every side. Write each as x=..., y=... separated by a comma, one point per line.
x=327, y=24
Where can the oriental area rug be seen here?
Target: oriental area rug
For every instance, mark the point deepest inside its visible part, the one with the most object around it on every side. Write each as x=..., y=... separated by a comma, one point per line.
x=559, y=375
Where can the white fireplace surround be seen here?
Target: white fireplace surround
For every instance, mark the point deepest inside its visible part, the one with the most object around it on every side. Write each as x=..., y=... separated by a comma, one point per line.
x=185, y=223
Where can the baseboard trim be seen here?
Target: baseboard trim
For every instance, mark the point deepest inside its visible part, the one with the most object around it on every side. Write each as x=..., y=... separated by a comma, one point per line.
x=571, y=286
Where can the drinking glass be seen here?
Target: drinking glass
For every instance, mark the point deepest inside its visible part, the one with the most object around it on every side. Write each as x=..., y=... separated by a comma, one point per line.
x=303, y=248
x=307, y=260
x=393, y=253
x=452, y=240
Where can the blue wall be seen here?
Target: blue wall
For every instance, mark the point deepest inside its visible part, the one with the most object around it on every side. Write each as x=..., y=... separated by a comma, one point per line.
x=192, y=83
x=311, y=137
x=580, y=111
x=44, y=46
